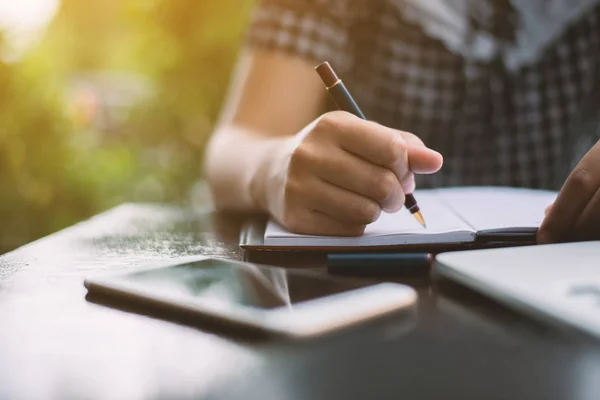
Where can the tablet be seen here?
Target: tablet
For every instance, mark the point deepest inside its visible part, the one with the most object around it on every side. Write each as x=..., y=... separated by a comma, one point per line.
x=284, y=302
x=557, y=283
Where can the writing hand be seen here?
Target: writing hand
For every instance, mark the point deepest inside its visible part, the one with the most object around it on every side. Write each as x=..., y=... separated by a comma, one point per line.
x=575, y=215
x=340, y=172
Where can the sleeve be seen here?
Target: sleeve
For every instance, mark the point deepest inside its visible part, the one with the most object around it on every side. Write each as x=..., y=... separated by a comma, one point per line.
x=317, y=30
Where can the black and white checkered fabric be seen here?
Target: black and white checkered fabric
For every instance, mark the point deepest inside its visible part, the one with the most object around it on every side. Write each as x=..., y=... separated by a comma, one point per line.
x=526, y=128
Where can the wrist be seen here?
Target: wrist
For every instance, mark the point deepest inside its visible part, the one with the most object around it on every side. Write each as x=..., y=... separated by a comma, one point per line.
x=267, y=179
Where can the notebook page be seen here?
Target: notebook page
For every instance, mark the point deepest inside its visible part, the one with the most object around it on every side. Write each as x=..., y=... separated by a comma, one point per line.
x=498, y=207
x=399, y=227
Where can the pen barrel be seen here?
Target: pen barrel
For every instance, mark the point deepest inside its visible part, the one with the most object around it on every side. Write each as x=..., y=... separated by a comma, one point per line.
x=342, y=98
x=344, y=101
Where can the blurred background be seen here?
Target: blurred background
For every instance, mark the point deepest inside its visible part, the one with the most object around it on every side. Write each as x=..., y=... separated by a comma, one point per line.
x=106, y=101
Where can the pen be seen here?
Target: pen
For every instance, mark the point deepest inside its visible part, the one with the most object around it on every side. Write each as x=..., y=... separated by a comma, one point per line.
x=379, y=264
x=342, y=98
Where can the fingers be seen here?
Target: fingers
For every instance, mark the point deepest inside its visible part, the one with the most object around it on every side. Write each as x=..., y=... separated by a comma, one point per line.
x=341, y=204
x=575, y=195
x=401, y=152
x=343, y=171
x=347, y=171
x=311, y=222
x=313, y=206
x=374, y=142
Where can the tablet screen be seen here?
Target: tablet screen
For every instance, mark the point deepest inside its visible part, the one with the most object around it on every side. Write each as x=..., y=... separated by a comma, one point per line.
x=221, y=281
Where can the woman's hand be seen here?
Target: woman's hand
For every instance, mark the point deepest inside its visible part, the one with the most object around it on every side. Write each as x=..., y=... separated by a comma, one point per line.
x=332, y=178
x=575, y=215
x=340, y=172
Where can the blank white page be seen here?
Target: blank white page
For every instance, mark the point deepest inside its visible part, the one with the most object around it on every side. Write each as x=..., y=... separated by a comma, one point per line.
x=397, y=228
x=498, y=207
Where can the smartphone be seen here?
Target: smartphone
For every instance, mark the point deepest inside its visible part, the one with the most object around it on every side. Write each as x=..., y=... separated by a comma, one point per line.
x=277, y=301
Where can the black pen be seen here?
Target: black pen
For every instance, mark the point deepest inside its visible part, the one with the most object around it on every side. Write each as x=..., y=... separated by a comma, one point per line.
x=342, y=98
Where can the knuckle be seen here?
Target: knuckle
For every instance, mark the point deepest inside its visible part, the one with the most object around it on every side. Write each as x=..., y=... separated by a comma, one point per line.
x=332, y=122
x=300, y=158
x=328, y=121
x=394, y=150
x=384, y=184
x=583, y=179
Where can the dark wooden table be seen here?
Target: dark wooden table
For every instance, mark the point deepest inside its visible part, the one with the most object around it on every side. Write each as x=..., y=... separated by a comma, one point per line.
x=55, y=344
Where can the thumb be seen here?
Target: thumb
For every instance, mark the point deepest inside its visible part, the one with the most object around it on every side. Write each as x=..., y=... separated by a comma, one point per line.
x=423, y=160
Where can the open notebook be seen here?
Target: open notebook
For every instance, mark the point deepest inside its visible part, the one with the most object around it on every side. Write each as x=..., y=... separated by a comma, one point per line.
x=453, y=215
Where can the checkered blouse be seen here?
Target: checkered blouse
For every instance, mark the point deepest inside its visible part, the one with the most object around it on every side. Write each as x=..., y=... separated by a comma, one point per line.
x=527, y=127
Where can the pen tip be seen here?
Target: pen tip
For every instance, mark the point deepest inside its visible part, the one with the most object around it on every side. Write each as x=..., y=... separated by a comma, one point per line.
x=420, y=218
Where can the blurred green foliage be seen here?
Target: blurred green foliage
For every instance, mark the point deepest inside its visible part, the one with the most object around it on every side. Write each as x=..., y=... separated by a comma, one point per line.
x=115, y=103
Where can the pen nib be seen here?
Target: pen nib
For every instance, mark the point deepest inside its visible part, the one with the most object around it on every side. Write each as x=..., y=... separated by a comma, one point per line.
x=420, y=218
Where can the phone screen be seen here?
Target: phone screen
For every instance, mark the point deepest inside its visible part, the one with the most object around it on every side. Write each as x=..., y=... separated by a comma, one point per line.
x=221, y=281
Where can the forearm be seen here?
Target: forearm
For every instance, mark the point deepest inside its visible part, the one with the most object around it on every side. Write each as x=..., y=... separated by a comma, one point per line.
x=238, y=166
x=272, y=98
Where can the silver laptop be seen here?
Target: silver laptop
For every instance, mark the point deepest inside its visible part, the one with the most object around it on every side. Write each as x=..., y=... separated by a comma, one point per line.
x=560, y=282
